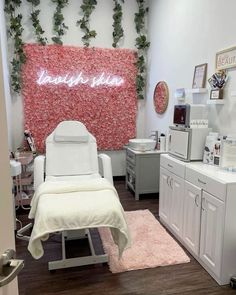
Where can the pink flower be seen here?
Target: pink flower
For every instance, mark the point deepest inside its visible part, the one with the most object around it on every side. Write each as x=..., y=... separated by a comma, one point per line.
x=108, y=111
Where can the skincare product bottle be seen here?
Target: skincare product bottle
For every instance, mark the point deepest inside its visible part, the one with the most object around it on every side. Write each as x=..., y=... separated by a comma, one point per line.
x=162, y=142
x=208, y=155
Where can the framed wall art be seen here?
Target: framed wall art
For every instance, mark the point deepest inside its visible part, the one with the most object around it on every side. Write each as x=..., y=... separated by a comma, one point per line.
x=199, y=77
x=226, y=59
x=161, y=97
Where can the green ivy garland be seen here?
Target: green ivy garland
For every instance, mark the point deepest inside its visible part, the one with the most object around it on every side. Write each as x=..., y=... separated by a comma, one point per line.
x=87, y=7
x=142, y=45
x=59, y=26
x=118, y=31
x=34, y=16
x=15, y=31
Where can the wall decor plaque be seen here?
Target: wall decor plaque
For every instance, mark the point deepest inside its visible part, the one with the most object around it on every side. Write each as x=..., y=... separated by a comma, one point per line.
x=161, y=97
x=226, y=59
x=199, y=78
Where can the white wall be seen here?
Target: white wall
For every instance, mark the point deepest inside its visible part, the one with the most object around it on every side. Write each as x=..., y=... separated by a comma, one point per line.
x=101, y=21
x=185, y=33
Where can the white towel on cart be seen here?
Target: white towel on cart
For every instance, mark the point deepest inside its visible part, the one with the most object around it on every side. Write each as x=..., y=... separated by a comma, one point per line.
x=58, y=206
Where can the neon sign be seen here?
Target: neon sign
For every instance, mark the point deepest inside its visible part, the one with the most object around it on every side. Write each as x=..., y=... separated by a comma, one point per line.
x=80, y=78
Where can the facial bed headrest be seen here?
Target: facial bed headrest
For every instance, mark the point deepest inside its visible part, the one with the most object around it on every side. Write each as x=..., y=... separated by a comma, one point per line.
x=71, y=131
x=71, y=150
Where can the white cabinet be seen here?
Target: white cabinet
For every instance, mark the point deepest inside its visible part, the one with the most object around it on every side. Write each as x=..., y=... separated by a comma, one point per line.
x=142, y=171
x=171, y=195
x=207, y=218
x=166, y=195
x=203, y=225
x=212, y=225
x=192, y=214
x=176, y=212
x=198, y=205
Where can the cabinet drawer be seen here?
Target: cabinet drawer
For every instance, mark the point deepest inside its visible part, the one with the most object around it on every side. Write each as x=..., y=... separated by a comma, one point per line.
x=130, y=167
x=175, y=166
x=208, y=184
x=130, y=156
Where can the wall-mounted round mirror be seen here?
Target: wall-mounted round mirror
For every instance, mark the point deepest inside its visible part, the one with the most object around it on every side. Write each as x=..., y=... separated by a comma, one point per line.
x=161, y=97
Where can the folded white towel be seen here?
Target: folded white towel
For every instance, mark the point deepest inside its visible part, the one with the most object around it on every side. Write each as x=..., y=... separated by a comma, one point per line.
x=58, y=206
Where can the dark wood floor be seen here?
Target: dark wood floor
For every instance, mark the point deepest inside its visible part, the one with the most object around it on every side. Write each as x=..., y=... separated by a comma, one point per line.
x=184, y=279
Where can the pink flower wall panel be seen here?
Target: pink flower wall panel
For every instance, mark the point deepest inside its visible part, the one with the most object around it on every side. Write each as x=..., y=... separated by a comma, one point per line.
x=93, y=85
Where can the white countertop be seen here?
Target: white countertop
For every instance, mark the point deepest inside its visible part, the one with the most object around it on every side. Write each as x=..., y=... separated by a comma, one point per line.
x=213, y=172
x=147, y=152
x=209, y=170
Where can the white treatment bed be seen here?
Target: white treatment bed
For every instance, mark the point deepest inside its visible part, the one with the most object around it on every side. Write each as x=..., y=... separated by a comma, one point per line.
x=71, y=196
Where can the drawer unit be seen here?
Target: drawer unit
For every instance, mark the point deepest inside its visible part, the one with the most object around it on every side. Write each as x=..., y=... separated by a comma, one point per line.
x=199, y=210
x=130, y=156
x=142, y=171
x=130, y=167
x=130, y=179
x=213, y=186
x=173, y=165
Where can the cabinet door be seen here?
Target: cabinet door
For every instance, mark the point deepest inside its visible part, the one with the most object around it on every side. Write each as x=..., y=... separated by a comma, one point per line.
x=192, y=215
x=177, y=202
x=212, y=224
x=165, y=195
x=147, y=173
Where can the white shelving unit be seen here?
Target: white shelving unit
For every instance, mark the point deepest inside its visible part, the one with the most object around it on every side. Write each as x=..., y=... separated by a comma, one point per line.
x=199, y=90
x=216, y=101
x=25, y=181
x=196, y=90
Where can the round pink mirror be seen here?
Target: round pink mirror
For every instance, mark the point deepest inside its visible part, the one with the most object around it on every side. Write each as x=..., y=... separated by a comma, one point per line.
x=161, y=97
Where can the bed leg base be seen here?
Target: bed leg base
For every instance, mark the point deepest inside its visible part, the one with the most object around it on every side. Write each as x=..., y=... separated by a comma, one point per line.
x=79, y=261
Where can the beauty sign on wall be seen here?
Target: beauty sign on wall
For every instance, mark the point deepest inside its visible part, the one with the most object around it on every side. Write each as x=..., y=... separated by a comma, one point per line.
x=93, y=85
x=226, y=59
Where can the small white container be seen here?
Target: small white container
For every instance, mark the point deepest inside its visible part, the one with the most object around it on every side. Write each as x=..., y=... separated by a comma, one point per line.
x=162, y=142
x=208, y=155
x=142, y=144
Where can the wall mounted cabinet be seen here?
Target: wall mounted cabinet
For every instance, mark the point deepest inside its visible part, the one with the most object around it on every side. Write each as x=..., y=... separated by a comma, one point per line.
x=197, y=90
x=216, y=101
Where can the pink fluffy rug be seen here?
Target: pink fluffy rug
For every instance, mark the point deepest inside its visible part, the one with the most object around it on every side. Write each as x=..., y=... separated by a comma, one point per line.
x=151, y=246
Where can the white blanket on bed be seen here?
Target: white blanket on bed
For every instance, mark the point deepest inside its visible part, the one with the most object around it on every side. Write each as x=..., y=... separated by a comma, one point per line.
x=58, y=206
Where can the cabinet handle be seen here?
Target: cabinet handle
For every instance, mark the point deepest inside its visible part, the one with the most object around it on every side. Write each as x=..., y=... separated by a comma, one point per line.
x=169, y=165
x=171, y=183
x=167, y=180
x=196, y=202
x=203, y=201
x=200, y=181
